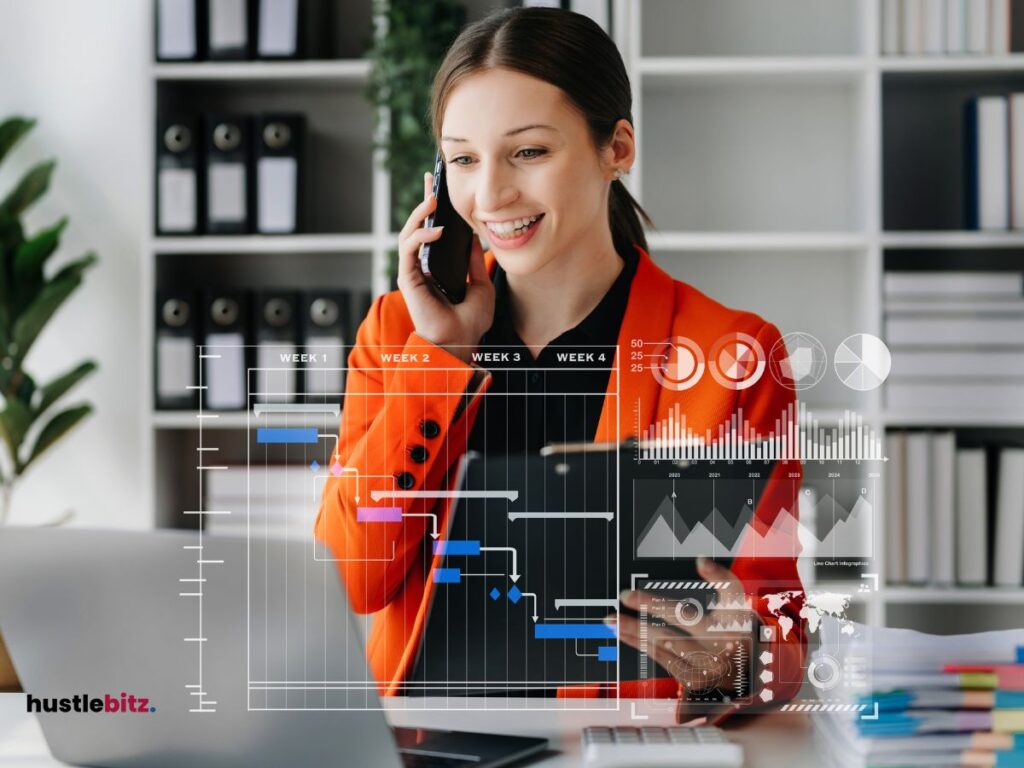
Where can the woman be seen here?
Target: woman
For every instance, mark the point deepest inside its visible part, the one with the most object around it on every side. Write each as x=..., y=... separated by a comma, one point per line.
x=531, y=109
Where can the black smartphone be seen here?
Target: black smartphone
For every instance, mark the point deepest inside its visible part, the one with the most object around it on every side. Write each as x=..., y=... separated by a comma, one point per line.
x=446, y=260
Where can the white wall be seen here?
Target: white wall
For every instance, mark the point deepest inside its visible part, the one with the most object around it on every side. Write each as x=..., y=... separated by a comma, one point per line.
x=80, y=68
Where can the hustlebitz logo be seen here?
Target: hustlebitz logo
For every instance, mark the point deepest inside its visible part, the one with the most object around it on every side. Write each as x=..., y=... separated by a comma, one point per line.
x=109, y=704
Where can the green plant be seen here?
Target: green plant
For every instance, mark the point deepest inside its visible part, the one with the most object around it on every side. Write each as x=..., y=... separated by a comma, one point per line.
x=403, y=63
x=28, y=300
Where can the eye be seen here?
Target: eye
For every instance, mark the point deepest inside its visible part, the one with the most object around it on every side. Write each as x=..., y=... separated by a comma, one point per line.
x=455, y=160
x=536, y=152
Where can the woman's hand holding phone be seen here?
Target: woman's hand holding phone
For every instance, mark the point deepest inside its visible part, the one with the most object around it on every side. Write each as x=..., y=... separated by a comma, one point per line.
x=456, y=327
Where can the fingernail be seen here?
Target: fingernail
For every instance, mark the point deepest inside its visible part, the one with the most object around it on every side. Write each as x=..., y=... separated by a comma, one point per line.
x=437, y=229
x=611, y=618
x=703, y=563
x=626, y=596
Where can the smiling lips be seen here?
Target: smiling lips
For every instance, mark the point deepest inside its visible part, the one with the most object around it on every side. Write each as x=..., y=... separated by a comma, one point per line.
x=514, y=228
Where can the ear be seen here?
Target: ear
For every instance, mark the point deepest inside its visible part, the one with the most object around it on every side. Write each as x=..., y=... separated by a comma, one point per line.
x=620, y=152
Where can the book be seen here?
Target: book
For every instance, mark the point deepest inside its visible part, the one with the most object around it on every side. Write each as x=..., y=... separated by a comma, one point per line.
x=919, y=486
x=949, y=306
x=976, y=397
x=956, y=366
x=1016, y=134
x=945, y=331
x=943, y=496
x=912, y=27
x=933, y=38
x=971, y=517
x=890, y=27
x=952, y=284
x=1008, y=559
x=977, y=25
x=987, y=163
x=999, y=27
x=954, y=27
x=896, y=507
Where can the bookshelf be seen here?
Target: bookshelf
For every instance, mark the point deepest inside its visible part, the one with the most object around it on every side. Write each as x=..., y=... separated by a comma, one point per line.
x=797, y=230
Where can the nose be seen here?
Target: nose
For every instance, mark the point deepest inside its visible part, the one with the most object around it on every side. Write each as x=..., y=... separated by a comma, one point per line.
x=496, y=186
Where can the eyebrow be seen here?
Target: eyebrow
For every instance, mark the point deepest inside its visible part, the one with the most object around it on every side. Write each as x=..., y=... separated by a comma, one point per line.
x=513, y=132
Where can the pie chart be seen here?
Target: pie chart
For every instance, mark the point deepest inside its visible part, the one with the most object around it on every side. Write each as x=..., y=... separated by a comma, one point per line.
x=737, y=361
x=862, y=362
x=678, y=364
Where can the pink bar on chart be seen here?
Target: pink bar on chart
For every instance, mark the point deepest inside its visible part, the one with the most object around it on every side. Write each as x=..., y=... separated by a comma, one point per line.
x=378, y=514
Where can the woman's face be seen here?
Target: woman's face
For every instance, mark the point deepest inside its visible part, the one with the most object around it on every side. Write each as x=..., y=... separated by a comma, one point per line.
x=516, y=151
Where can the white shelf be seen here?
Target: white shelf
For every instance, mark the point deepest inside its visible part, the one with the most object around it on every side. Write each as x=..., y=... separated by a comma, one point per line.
x=813, y=68
x=354, y=71
x=953, y=64
x=757, y=241
x=953, y=239
x=952, y=595
x=315, y=243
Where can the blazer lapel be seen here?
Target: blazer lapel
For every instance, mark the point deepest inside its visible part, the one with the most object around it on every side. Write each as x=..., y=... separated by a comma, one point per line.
x=648, y=318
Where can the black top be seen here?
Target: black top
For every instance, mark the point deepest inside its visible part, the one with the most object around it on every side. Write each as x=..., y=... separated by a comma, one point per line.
x=558, y=396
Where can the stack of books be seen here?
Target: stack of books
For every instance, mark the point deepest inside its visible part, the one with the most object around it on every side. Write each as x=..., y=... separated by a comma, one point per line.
x=966, y=714
x=937, y=27
x=957, y=341
x=993, y=142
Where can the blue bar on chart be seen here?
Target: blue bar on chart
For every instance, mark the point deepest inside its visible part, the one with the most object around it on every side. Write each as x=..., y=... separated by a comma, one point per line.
x=573, y=632
x=456, y=547
x=280, y=435
x=447, y=575
x=607, y=653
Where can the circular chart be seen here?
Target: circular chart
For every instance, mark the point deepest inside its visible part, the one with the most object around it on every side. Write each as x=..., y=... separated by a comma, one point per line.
x=689, y=612
x=862, y=362
x=700, y=671
x=824, y=672
x=737, y=361
x=678, y=363
x=798, y=361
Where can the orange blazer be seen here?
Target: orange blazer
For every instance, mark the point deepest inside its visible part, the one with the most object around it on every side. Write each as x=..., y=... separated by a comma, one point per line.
x=409, y=406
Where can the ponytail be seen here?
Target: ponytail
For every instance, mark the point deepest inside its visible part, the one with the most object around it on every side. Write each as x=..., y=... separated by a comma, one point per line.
x=625, y=215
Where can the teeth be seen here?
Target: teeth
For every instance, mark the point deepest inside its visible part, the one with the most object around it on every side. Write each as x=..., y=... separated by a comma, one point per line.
x=507, y=228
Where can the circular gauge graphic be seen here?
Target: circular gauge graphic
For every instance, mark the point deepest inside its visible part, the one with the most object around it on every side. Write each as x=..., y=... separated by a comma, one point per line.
x=689, y=612
x=700, y=671
x=798, y=361
x=737, y=361
x=678, y=363
x=862, y=362
x=824, y=672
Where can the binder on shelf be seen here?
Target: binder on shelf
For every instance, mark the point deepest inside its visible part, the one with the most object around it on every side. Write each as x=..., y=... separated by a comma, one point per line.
x=224, y=351
x=227, y=29
x=913, y=27
x=1008, y=560
x=177, y=30
x=890, y=16
x=987, y=171
x=227, y=174
x=279, y=173
x=176, y=352
x=999, y=27
x=177, y=182
x=977, y=25
x=971, y=517
x=943, y=525
x=954, y=23
x=278, y=26
x=896, y=507
x=919, y=480
x=933, y=37
x=1016, y=131
x=277, y=338
x=326, y=315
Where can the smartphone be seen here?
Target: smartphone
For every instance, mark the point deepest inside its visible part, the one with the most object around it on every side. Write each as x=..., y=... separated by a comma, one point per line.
x=446, y=260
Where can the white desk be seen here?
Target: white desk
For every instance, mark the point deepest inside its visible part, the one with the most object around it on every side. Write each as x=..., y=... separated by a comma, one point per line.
x=769, y=740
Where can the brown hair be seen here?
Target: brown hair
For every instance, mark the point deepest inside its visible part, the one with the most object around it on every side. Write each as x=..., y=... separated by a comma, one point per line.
x=568, y=50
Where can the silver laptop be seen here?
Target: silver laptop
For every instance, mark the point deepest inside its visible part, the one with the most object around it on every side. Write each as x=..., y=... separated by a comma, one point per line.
x=281, y=678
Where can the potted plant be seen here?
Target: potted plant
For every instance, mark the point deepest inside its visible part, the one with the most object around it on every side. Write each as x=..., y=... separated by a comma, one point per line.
x=30, y=420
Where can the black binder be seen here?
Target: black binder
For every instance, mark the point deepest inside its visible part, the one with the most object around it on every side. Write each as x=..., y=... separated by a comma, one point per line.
x=179, y=30
x=178, y=191
x=276, y=320
x=279, y=25
x=227, y=174
x=326, y=317
x=279, y=151
x=228, y=26
x=174, y=364
x=225, y=358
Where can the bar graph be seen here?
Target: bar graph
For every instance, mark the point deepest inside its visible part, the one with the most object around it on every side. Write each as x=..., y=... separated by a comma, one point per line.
x=797, y=436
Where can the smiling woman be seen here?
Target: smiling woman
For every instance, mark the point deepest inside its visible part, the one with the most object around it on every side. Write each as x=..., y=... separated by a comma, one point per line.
x=531, y=111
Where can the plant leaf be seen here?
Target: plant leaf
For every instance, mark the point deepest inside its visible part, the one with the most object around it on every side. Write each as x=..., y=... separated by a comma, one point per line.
x=30, y=259
x=77, y=267
x=28, y=327
x=49, y=393
x=54, y=430
x=31, y=187
x=12, y=131
x=15, y=420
